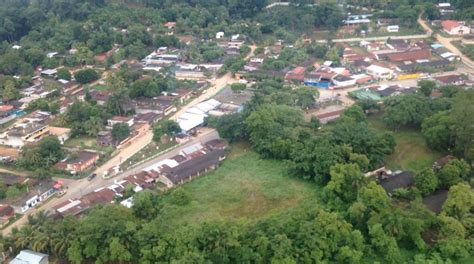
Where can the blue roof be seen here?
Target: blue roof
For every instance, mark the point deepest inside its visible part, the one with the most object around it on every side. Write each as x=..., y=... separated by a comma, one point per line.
x=437, y=46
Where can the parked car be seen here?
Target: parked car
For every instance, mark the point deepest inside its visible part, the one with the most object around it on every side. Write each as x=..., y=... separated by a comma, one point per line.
x=91, y=177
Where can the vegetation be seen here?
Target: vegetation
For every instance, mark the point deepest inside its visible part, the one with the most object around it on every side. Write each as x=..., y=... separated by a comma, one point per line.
x=120, y=131
x=165, y=127
x=300, y=194
x=86, y=76
x=41, y=156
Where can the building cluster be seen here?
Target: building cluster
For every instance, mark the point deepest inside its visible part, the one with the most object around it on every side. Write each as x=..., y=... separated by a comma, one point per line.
x=190, y=162
x=371, y=61
x=37, y=192
x=391, y=181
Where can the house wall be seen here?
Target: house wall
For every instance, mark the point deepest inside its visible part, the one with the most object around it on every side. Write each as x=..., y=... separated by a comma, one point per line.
x=457, y=30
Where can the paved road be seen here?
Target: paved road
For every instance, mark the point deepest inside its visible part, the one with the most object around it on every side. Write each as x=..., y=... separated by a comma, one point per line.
x=78, y=188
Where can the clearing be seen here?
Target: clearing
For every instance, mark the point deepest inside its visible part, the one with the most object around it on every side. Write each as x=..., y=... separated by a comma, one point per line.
x=411, y=152
x=245, y=187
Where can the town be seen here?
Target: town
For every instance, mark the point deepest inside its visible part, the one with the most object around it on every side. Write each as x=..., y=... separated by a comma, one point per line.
x=148, y=110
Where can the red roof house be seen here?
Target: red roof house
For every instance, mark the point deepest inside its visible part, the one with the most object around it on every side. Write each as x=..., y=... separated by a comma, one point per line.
x=297, y=74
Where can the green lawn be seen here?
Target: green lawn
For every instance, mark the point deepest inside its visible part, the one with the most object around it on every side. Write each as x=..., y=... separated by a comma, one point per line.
x=84, y=142
x=148, y=152
x=411, y=152
x=244, y=188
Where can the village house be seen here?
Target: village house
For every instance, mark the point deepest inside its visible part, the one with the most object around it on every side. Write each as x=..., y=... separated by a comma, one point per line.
x=435, y=201
x=452, y=79
x=341, y=81
x=31, y=132
x=30, y=257
x=439, y=164
x=405, y=55
x=453, y=27
x=7, y=113
x=37, y=193
x=396, y=180
x=194, y=167
x=101, y=97
x=392, y=90
x=326, y=117
x=104, y=138
x=155, y=105
x=190, y=75
x=149, y=118
x=79, y=162
x=379, y=72
x=120, y=120
x=6, y=212
x=296, y=75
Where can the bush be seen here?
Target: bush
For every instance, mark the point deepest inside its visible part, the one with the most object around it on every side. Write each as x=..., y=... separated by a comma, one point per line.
x=180, y=197
x=64, y=74
x=86, y=76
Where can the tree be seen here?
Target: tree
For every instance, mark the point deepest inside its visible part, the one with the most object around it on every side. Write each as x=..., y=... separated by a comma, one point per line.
x=426, y=86
x=144, y=205
x=305, y=96
x=384, y=244
x=313, y=158
x=145, y=88
x=271, y=129
x=426, y=181
x=12, y=192
x=120, y=131
x=453, y=172
x=406, y=110
x=237, y=87
x=9, y=91
x=356, y=113
x=231, y=127
x=180, y=197
x=64, y=74
x=452, y=242
x=115, y=82
x=346, y=180
x=462, y=114
x=363, y=140
x=438, y=131
x=460, y=202
x=86, y=76
x=165, y=127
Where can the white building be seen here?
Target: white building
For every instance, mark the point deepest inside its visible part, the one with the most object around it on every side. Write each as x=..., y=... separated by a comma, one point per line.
x=219, y=35
x=30, y=257
x=453, y=27
x=380, y=72
x=393, y=29
x=343, y=81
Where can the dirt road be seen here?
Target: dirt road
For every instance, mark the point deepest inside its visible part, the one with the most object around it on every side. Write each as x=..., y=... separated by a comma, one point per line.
x=446, y=42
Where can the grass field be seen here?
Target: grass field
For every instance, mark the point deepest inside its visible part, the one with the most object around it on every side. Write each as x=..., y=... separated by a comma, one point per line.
x=244, y=188
x=84, y=142
x=411, y=152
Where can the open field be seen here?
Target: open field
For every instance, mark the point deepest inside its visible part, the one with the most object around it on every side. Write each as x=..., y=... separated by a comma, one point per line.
x=85, y=142
x=411, y=152
x=244, y=188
